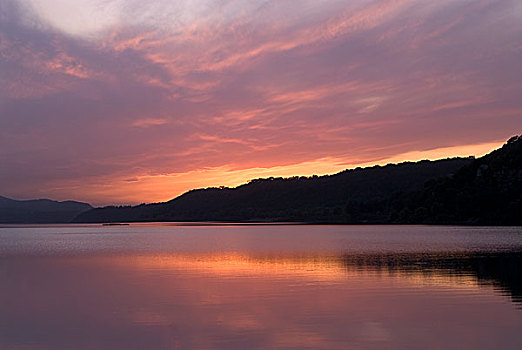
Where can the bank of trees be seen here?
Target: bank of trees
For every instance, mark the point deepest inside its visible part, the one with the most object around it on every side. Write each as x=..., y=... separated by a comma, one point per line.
x=450, y=191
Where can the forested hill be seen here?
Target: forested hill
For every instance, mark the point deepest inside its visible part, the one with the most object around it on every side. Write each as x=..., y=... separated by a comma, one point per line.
x=484, y=191
x=356, y=195
x=39, y=211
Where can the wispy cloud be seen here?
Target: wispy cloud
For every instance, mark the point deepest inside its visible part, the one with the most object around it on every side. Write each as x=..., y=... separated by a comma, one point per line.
x=148, y=122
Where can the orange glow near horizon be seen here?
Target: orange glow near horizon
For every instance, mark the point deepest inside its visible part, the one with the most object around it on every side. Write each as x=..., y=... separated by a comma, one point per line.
x=160, y=188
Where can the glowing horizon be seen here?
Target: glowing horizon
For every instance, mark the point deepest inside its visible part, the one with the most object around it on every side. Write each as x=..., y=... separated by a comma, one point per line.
x=121, y=102
x=170, y=186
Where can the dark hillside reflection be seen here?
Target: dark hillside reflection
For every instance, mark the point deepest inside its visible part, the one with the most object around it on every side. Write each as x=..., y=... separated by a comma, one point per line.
x=502, y=270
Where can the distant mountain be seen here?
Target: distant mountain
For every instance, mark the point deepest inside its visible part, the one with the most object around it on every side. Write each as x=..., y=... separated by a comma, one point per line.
x=39, y=211
x=351, y=196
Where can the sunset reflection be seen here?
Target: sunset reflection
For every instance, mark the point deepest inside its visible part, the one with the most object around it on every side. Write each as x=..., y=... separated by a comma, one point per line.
x=164, y=286
x=319, y=268
x=238, y=301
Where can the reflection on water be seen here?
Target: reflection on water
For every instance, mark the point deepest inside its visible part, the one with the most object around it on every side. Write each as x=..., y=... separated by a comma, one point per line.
x=333, y=297
x=502, y=270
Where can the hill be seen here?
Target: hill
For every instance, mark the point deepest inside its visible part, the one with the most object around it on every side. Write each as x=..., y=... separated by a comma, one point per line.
x=483, y=191
x=350, y=196
x=39, y=211
x=486, y=192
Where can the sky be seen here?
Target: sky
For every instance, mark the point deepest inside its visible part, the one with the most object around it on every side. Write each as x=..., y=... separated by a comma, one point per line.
x=130, y=101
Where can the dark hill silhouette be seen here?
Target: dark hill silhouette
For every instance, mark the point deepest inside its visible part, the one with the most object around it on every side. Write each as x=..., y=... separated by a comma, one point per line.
x=310, y=199
x=483, y=191
x=486, y=192
x=39, y=211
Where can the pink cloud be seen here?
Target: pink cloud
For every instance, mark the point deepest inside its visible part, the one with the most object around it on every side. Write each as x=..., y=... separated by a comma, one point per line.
x=249, y=87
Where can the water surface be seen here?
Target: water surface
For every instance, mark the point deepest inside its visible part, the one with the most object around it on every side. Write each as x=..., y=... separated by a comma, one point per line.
x=166, y=286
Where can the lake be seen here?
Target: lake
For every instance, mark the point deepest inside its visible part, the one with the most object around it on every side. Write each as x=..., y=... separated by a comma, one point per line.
x=190, y=286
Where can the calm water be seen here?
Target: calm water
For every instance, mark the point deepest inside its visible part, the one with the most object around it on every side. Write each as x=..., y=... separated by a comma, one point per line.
x=260, y=287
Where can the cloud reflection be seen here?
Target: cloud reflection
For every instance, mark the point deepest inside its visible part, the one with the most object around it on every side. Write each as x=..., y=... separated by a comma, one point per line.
x=236, y=301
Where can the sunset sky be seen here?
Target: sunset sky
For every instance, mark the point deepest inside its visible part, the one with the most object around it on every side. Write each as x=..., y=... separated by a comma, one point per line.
x=130, y=101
